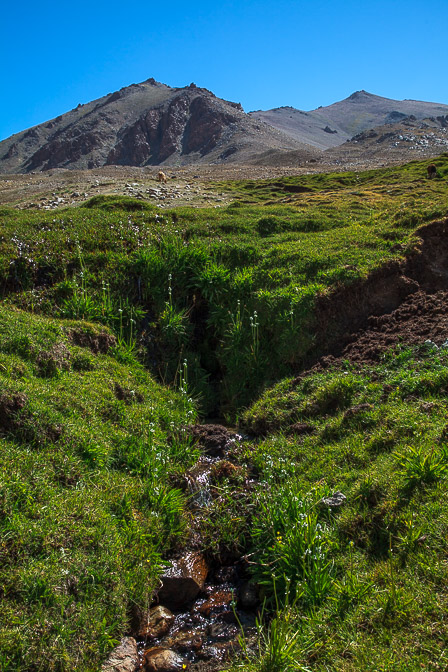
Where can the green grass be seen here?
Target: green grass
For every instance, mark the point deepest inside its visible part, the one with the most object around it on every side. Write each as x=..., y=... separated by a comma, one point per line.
x=120, y=322
x=263, y=255
x=372, y=595
x=87, y=511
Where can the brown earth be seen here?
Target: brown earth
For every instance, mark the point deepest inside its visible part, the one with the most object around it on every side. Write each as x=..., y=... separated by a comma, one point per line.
x=403, y=303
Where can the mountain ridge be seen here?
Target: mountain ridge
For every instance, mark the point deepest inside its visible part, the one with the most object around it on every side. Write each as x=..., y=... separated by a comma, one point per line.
x=143, y=124
x=332, y=125
x=153, y=124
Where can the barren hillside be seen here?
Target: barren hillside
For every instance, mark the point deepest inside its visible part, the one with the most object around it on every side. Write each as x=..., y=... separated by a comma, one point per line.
x=144, y=124
x=331, y=126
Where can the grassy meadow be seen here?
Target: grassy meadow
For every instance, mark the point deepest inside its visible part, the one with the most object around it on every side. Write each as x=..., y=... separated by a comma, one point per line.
x=122, y=323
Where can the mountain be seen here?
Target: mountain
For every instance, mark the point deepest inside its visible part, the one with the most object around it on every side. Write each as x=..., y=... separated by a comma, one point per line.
x=145, y=124
x=152, y=124
x=406, y=140
x=333, y=125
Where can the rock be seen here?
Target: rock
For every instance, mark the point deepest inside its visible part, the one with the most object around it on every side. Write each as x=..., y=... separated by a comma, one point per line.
x=183, y=581
x=221, y=650
x=184, y=641
x=334, y=501
x=219, y=602
x=428, y=406
x=160, y=659
x=222, y=631
x=124, y=658
x=160, y=620
x=248, y=596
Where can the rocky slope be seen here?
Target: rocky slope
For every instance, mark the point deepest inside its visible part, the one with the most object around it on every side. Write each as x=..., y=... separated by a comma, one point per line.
x=410, y=139
x=144, y=124
x=331, y=126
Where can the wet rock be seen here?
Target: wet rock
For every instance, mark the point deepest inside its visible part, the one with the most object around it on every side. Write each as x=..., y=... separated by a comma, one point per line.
x=124, y=658
x=221, y=632
x=184, y=641
x=248, y=596
x=218, y=603
x=160, y=659
x=215, y=439
x=183, y=581
x=334, y=501
x=160, y=620
x=221, y=650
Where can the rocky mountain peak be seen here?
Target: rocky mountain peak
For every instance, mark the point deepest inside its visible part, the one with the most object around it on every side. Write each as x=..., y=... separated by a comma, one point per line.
x=143, y=124
x=361, y=95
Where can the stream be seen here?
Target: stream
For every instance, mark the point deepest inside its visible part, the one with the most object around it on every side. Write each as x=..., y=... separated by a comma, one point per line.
x=202, y=609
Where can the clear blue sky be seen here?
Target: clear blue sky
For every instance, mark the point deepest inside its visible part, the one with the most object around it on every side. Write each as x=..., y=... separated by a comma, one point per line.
x=263, y=54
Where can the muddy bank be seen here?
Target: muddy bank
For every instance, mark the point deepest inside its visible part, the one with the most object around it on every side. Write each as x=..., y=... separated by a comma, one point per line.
x=342, y=314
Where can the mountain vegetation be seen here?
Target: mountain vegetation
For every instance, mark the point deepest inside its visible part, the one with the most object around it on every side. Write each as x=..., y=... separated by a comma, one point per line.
x=310, y=313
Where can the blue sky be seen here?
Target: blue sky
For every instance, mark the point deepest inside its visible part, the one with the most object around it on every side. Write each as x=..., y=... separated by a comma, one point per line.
x=262, y=54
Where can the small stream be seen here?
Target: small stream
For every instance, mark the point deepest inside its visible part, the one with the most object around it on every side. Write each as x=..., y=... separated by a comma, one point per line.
x=201, y=611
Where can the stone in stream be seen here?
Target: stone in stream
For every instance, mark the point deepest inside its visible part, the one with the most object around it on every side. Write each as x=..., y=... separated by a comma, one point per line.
x=124, y=658
x=218, y=603
x=184, y=641
x=222, y=632
x=160, y=620
x=160, y=659
x=221, y=650
x=183, y=581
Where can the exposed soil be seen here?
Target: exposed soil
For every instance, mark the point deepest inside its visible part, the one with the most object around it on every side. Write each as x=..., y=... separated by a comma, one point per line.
x=421, y=317
x=10, y=406
x=399, y=303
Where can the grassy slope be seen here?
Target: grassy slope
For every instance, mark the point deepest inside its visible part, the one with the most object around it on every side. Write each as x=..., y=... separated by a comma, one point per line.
x=86, y=511
x=371, y=594
x=108, y=478
x=271, y=256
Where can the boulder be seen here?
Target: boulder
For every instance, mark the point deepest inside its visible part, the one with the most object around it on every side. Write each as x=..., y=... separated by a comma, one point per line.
x=124, y=658
x=334, y=501
x=160, y=620
x=159, y=659
x=184, y=641
x=183, y=581
x=218, y=603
